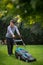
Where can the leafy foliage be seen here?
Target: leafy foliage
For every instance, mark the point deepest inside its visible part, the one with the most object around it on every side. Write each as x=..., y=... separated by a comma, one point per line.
x=31, y=14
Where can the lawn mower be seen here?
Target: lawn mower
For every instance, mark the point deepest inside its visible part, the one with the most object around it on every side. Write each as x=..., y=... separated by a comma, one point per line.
x=22, y=54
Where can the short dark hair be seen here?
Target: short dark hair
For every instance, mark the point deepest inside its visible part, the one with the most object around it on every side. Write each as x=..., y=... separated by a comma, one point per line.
x=13, y=21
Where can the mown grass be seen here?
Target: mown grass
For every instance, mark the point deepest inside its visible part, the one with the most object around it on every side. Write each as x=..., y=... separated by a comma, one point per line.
x=35, y=50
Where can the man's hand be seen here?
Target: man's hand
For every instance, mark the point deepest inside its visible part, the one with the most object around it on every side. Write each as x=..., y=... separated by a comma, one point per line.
x=13, y=36
x=20, y=36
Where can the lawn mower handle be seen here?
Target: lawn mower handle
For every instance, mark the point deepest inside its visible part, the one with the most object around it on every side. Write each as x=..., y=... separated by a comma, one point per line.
x=22, y=40
x=19, y=41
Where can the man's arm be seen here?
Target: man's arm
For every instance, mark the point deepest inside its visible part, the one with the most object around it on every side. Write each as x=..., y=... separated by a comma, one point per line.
x=17, y=31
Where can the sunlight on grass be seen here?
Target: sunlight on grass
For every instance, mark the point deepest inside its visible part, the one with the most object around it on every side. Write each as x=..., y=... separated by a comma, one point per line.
x=35, y=50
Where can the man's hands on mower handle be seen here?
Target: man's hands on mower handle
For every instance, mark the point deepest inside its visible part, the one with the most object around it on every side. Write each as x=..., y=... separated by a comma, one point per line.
x=13, y=36
x=20, y=38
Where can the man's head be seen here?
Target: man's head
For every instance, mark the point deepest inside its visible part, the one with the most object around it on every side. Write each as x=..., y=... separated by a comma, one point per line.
x=12, y=23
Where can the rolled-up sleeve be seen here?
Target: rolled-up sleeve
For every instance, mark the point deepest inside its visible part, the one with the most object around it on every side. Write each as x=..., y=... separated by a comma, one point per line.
x=17, y=30
x=10, y=31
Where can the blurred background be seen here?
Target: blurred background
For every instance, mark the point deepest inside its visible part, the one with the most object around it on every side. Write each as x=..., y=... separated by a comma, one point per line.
x=29, y=19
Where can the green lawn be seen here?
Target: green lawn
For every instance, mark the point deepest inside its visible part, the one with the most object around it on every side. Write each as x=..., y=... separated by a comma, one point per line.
x=35, y=50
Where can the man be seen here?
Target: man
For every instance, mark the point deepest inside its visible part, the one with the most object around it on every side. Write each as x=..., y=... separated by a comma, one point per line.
x=10, y=35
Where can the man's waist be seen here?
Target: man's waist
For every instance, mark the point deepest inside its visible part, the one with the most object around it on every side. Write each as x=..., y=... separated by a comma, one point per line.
x=8, y=36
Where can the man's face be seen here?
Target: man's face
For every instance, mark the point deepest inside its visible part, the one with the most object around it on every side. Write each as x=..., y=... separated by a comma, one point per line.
x=11, y=24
